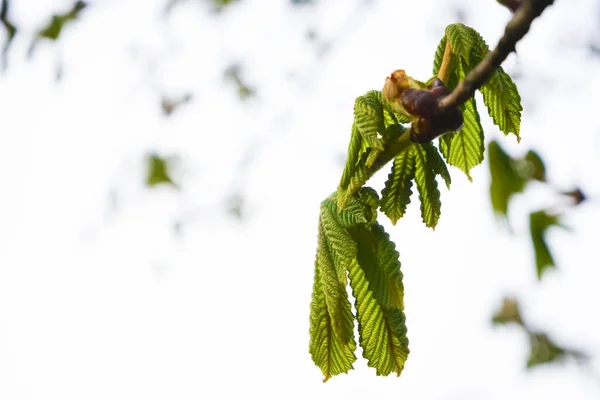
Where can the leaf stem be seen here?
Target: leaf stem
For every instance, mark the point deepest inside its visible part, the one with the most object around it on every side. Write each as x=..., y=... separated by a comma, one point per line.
x=443, y=72
x=517, y=27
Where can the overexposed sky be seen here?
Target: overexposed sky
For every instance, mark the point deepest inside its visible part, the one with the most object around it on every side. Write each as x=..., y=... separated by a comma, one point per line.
x=98, y=303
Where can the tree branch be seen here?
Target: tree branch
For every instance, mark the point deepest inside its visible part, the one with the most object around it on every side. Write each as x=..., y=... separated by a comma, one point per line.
x=515, y=30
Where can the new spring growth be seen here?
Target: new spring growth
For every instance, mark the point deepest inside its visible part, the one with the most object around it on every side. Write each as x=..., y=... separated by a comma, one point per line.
x=420, y=103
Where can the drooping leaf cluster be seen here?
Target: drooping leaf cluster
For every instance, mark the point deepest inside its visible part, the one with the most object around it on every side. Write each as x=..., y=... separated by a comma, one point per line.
x=353, y=245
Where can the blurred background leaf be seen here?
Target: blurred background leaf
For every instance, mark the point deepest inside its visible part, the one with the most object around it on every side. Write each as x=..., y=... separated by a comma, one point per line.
x=505, y=179
x=11, y=31
x=539, y=223
x=57, y=23
x=508, y=313
x=544, y=351
x=233, y=74
x=533, y=167
x=158, y=171
x=169, y=104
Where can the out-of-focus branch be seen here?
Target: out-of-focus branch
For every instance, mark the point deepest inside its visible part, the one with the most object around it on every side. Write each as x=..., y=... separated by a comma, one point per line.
x=518, y=26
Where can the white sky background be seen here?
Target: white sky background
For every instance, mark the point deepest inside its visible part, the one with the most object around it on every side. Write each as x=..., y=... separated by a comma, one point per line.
x=97, y=304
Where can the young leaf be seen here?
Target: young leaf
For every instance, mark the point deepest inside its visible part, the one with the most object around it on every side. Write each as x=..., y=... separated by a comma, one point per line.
x=463, y=40
x=464, y=149
x=381, y=321
x=369, y=120
x=539, y=222
x=355, y=172
x=396, y=194
x=330, y=352
x=437, y=163
x=379, y=259
x=340, y=245
x=389, y=116
x=502, y=99
x=505, y=180
x=500, y=94
x=429, y=194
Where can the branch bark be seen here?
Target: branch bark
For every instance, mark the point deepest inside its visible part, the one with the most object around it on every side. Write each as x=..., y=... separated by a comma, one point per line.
x=515, y=30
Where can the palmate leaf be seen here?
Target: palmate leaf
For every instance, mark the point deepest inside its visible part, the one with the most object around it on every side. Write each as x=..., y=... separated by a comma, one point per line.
x=465, y=149
x=396, y=194
x=539, y=223
x=429, y=194
x=374, y=270
x=376, y=284
x=500, y=94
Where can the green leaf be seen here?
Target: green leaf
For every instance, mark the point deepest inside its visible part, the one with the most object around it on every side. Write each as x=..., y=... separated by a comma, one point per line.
x=465, y=149
x=502, y=99
x=379, y=302
x=463, y=40
x=429, y=194
x=158, y=171
x=500, y=94
x=505, y=180
x=437, y=163
x=355, y=172
x=539, y=222
x=330, y=352
x=369, y=120
x=396, y=194
x=340, y=245
x=380, y=261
